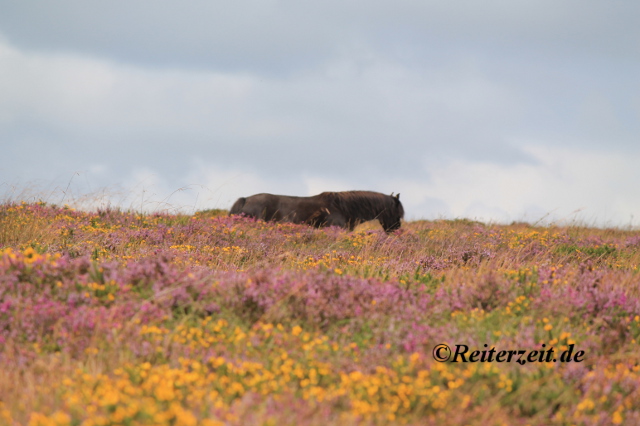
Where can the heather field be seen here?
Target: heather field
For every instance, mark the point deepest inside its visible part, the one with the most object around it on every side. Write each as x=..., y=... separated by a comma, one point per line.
x=120, y=318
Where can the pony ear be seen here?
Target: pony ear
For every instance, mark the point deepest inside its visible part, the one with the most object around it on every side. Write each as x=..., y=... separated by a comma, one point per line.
x=392, y=194
x=397, y=196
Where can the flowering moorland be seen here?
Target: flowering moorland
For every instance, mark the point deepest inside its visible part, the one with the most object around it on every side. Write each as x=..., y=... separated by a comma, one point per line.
x=118, y=318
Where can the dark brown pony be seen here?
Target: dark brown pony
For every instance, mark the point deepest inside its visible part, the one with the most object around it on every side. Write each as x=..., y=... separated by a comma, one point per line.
x=345, y=209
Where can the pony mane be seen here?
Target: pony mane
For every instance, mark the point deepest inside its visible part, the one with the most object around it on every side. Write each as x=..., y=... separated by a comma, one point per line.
x=367, y=205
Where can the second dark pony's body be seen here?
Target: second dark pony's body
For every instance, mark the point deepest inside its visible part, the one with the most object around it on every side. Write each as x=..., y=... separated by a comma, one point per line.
x=345, y=209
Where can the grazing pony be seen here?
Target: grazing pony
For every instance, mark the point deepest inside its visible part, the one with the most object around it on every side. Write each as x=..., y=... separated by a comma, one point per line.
x=345, y=209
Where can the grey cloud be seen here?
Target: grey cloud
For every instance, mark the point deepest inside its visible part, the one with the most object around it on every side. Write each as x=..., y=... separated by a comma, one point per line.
x=359, y=92
x=376, y=118
x=286, y=36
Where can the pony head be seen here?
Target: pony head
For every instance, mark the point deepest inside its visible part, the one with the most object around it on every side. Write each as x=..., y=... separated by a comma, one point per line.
x=392, y=215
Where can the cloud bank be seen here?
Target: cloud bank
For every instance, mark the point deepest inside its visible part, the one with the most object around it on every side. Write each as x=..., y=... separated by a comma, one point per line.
x=496, y=112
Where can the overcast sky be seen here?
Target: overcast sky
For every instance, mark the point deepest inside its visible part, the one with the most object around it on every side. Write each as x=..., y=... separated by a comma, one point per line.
x=494, y=110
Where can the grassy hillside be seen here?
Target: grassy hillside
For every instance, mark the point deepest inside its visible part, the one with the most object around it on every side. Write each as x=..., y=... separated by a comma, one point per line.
x=116, y=318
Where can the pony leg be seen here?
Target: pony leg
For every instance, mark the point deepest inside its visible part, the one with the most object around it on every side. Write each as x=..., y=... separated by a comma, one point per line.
x=337, y=219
